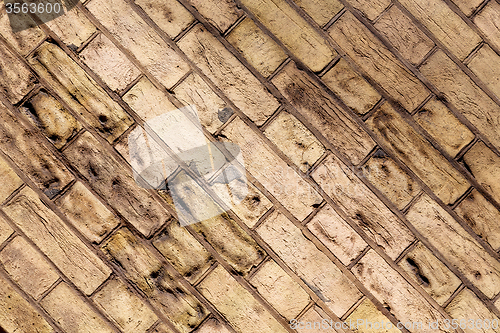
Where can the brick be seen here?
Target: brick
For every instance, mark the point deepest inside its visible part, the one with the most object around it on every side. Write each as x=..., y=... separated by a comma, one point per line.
x=251, y=209
x=225, y=71
x=481, y=215
x=73, y=28
x=336, y=235
x=366, y=313
x=320, y=11
x=183, y=251
x=239, y=307
x=370, y=8
x=295, y=140
x=352, y=89
x=109, y=63
x=56, y=241
x=162, y=328
x=486, y=21
x=15, y=79
x=299, y=37
x=376, y=60
x=390, y=179
x=124, y=307
x=280, y=290
x=455, y=245
x=213, y=325
x=310, y=264
x=464, y=94
x=152, y=52
x=404, y=35
x=109, y=178
x=309, y=319
x=9, y=179
x=171, y=17
x=360, y=204
x=444, y=127
x=392, y=290
x=220, y=13
x=69, y=311
x=335, y=124
x=80, y=91
x=445, y=24
x=17, y=314
x=258, y=48
x=5, y=230
x=31, y=156
x=484, y=165
x=467, y=6
x=52, y=118
x=430, y=273
x=412, y=149
x=87, y=213
x=148, y=274
x=466, y=306
x=194, y=91
x=27, y=267
x=485, y=65
x=277, y=177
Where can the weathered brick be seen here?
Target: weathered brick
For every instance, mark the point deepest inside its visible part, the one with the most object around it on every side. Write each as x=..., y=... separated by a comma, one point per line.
x=252, y=207
x=52, y=118
x=126, y=309
x=390, y=179
x=9, y=179
x=467, y=6
x=15, y=79
x=277, y=177
x=352, y=89
x=430, y=273
x=486, y=65
x=456, y=245
x=80, y=91
x=56, y=241
x=370, y=8
x=392, y=290
x=258, y=48
x=183, y=251
x=306, y=323
x=162, y=328
x=145, y=271
x=280, y=290
x=239, y=307
x=5, y=230
x=295, y=140
x=87, y=213
x=367, y=313
x=69, y=310
x=74, y=28
x=17, y=314
x=109, y=63
x=417, y=153
x=213, y=325
x=481, y=216
x=126, y=26
x=221, y=13
x=445, y=24
x=375, y=59
x=170, y=16
x=320, y=11
x=487, y=20
x=337, y=235
x=27, y=267
x=225, y=70
x=404, y=35
x=466, y=306
x=444, y=127
x=299, y=37
x=109, y=178
x=335, y=124
x=310, y=264
x=464, y=94
x=362, y=206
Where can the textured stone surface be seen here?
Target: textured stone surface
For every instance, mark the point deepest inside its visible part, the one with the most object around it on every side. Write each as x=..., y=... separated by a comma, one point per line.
x=366, y=313
x=487, y=20
x=170, y=16
x=16, y=80
x=486, y=65
x=320, y=11
x=370, y=8
x=73, y=28
x=9, y=179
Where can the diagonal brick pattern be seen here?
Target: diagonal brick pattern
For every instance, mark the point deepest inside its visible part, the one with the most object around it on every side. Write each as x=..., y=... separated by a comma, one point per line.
x=370, y=135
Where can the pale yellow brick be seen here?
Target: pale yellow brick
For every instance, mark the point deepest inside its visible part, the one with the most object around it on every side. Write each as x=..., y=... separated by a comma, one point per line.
x=109, y=63
x=486, y=65
x=170, y=16
x=124, y=307
x=370, y=8
x=487, y=21
x=337, y=235
x=295, y=140
x=87, y=213
x=252, y=207
x=5, y=230
x=352, y=89
x=74, y=28
x=280, y=290
x=9, y=179
x=213, y=325
x=162, y=328
x=321, y=11
x=314, y=268
x=258, y=48
x=221, y=13
x=310, y=322
x=238, y=305
x=467, y=6
x=15, y=78
x=27, y=267
x=298, y=36
x=366, y=313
